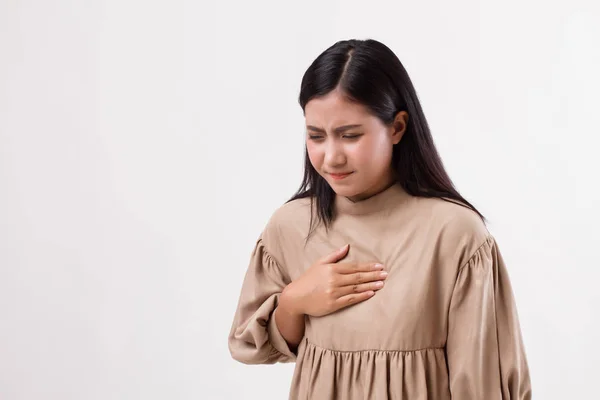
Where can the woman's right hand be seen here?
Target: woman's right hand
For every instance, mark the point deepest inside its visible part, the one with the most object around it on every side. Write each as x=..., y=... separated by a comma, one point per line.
x=328, y=286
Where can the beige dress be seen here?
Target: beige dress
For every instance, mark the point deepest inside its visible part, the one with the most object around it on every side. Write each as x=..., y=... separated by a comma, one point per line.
x=444, y=326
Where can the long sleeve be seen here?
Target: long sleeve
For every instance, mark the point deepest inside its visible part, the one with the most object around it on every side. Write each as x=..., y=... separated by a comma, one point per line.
x=254, y=337
x=486, y=356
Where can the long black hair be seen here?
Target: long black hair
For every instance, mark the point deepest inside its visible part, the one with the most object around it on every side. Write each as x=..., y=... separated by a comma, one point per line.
x=369, y=73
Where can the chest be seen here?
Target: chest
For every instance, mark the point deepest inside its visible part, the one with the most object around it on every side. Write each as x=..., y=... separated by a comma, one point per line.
x=408, y=312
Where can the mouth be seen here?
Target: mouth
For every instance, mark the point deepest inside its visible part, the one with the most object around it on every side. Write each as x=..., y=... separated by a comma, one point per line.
x=340, y=176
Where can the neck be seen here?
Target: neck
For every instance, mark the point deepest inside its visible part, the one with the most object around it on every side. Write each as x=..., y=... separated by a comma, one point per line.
x=389, y=196
x=374, y=192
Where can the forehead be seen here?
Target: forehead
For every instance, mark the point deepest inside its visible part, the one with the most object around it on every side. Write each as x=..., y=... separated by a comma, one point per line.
x=334, y=109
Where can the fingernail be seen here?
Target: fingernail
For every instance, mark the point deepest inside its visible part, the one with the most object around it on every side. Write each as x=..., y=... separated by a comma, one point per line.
x=383, y=273
x=378, y=266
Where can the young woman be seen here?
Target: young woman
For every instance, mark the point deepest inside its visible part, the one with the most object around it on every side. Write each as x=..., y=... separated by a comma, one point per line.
x=378, y=278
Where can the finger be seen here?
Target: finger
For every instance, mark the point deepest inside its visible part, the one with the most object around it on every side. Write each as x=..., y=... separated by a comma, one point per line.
x=350, y=299
x=335, y=256
x=359, y=288
x=360, y=277
x=353, y=267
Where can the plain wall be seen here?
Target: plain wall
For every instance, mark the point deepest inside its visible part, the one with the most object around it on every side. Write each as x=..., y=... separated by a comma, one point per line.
x=144, y=145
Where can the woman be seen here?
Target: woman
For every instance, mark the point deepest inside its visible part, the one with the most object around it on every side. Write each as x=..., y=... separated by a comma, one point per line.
x=378, y=278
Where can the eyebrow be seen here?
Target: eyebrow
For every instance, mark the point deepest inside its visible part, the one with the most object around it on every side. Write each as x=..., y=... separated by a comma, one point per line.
x=339, y=129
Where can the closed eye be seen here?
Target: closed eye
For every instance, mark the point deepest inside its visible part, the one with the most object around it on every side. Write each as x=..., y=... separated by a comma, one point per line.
x=319, y=137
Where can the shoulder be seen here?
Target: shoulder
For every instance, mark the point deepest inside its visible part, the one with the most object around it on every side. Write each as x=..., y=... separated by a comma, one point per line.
x=292, y=215
x=454, y=227
x=292, y=212
x=288, y=223
x=454, y=216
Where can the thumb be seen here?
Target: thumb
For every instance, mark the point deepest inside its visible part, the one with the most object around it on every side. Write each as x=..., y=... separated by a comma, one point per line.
x=336, y=255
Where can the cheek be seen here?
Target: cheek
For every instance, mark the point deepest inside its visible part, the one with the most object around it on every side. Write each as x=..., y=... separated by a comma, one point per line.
x=372, y=155
x=314, y=155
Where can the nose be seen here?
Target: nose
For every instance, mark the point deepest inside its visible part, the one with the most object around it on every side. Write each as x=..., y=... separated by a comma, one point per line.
x=334, y=154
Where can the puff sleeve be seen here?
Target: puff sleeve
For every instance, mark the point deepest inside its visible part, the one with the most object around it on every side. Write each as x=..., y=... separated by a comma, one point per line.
x=254, y=337
x=484, y=348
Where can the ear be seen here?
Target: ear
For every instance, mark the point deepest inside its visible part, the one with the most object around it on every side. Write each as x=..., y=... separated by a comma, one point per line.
x=399, y=126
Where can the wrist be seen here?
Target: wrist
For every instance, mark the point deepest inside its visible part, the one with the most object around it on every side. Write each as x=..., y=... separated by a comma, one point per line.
x=288, y=305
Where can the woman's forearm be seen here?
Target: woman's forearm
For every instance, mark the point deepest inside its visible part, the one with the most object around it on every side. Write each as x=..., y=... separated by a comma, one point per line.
x=290, y=321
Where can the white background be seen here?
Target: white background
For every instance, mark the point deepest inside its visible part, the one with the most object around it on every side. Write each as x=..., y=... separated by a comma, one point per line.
x=144, y=145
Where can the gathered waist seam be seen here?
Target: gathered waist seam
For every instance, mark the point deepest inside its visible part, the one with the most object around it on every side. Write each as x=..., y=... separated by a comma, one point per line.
x=374, y=350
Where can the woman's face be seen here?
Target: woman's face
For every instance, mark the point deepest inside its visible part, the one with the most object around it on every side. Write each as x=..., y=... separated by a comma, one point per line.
x=345, y=138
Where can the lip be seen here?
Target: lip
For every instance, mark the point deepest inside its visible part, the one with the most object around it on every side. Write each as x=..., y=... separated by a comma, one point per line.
x=340, y=176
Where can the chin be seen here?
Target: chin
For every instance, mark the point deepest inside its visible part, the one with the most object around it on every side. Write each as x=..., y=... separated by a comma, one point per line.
x=343, y=190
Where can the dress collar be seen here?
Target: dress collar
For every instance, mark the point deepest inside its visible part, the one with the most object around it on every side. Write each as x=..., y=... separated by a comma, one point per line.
x=388, y=197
